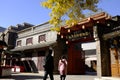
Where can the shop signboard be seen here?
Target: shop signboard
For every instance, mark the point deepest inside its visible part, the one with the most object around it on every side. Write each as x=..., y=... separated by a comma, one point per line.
x=80, y=34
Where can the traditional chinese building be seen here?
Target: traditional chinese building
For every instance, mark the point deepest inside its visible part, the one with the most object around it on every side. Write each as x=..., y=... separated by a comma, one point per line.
x=112, y=37
x=33, y=44
x=99, y=28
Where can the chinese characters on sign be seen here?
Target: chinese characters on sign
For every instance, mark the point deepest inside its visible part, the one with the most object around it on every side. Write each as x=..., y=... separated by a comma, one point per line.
x=78, y=35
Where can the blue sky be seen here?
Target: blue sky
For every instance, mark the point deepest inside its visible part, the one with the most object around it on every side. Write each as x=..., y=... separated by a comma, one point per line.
x=13, y=12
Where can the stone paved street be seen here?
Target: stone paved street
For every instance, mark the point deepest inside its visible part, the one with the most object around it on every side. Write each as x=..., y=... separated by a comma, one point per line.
x=35, y=76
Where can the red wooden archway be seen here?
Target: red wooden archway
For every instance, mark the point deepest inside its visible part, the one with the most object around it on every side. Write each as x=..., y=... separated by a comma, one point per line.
x=80, y=33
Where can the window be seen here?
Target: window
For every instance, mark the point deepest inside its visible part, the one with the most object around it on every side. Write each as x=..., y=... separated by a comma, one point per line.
x=29, y=41
x=19, y=43
x=42, y=38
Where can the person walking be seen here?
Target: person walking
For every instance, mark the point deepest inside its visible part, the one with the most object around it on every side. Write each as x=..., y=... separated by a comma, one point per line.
x=62, y=67
x=49, y=66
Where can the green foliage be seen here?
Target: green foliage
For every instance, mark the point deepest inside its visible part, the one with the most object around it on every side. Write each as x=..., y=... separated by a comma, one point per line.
x=68, y=12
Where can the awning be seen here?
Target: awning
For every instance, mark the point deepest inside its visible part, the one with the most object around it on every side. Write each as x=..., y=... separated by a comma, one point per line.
x=40, y=45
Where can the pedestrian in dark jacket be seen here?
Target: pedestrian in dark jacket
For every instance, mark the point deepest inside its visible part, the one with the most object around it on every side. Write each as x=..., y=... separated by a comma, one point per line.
x=49, y=66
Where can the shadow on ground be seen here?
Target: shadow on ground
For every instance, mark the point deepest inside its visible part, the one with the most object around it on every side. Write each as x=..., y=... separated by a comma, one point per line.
x=22, y=77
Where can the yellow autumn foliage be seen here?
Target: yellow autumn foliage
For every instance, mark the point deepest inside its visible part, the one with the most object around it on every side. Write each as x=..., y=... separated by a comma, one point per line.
x=68, y=12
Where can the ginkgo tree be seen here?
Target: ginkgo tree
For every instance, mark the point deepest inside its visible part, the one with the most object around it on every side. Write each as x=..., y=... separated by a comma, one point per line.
x=68, y=12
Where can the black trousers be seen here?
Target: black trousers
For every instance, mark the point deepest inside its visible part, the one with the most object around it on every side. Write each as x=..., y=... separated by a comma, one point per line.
x=62, y=77
x=50, y=73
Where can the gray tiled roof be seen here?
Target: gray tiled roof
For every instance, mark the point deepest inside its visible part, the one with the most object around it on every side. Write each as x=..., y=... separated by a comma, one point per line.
x=2, y=29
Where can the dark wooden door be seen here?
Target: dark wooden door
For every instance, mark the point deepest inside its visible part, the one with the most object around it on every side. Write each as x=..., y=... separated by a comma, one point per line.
x=75, y=61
